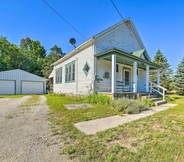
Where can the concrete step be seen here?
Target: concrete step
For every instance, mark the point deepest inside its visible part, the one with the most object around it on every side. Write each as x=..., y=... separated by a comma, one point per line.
x=156, y=99
x=149, y=96
x=157, y=103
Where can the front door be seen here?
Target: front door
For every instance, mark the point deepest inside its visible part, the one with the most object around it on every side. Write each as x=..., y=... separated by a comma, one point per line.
x=126, y=79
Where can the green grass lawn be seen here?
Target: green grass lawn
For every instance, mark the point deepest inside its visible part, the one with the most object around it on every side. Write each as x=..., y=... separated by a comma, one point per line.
x=157, y=138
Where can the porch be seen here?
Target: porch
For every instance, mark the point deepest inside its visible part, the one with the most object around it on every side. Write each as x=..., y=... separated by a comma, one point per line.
x=118, y=72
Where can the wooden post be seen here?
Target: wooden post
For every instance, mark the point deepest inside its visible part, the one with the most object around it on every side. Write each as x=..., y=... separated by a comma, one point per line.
x=147, y=78
x=113, y=90
x=135, y=77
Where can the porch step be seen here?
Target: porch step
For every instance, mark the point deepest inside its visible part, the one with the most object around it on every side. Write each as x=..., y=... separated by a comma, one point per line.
x=149, y=96
x=157, y=101
x=161, y=102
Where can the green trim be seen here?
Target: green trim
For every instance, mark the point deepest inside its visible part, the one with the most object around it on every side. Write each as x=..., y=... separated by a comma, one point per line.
x=126, y=57
x=138, y=53
x=84, y=70
x=59, y=78
x=70, y=73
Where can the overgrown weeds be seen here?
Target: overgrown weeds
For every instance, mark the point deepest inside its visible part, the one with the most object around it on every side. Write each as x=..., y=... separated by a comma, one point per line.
x=97, y=99
x=32, y=101
x=131, y=106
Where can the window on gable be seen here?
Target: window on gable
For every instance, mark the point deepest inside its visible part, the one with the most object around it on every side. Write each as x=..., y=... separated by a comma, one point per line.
x=59, y=75
x=70, y=72
x=86, y=68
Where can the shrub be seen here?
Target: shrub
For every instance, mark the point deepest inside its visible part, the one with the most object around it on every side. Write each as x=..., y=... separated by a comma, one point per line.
x=149, y=102
x=97, y=99
x=170, y=98
x=130, y=106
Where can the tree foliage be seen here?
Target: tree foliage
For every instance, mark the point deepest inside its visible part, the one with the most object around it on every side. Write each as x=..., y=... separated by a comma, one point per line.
x=29, y=56
x=179, y=77
x=55, y=54
x=165, y=70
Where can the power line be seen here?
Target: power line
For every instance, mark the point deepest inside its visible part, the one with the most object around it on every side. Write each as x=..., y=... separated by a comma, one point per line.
x=119, y=13
x=64, y=19
x=117, y=10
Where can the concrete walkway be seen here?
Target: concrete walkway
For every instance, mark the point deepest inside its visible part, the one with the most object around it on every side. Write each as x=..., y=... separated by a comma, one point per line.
x=93, y=126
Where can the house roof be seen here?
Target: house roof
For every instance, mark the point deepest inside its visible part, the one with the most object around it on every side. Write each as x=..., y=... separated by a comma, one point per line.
x=21, y=73
x=138, y=53
x=90, y=41
x=125, y=58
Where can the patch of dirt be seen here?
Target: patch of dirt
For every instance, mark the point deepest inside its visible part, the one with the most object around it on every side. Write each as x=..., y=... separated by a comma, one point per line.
x=129, y=143
x=26, y=134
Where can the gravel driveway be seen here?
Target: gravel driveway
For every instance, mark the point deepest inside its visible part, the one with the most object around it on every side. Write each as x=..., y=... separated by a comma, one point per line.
x=25, y=134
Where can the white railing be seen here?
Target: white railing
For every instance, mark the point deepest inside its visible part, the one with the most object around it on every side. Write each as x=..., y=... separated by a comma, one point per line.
x=120, y=86
x=158, y=89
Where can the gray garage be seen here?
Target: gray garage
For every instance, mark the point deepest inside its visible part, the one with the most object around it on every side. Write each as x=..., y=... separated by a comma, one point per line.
x=21, y=82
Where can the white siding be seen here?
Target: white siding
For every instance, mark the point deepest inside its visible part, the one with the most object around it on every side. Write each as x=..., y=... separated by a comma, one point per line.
x=7, y=87
x=83, y=84
x=19, y=75
x=29, y=87
x=121, y=37
x=105, y=66
x=141, y=80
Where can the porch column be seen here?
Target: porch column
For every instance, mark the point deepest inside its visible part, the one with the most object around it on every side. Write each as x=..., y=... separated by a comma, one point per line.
x=135, y=77
x=158, y=79
x=113, y=84
x=147, y=78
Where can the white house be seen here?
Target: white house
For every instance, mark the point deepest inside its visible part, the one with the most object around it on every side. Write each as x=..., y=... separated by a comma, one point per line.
x=115, y=60
x=21, y=82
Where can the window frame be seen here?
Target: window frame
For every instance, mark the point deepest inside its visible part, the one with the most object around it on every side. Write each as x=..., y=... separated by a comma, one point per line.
x=70, y=72
x=58, y=74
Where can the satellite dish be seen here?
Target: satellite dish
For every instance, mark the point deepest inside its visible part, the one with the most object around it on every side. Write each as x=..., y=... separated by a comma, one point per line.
x=73, y=41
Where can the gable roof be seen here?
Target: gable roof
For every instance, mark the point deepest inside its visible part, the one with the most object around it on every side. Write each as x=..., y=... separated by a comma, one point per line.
x=21, y=73
x=138, y=53
x=90, y=41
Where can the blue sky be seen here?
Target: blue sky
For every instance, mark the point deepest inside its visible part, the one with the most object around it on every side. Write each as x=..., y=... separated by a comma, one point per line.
x=160, y=23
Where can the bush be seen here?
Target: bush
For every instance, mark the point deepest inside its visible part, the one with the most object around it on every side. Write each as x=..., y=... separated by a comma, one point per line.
x=130, y=106
x=97, y=99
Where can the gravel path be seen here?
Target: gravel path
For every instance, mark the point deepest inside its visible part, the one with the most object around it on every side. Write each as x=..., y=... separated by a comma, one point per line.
x=25, y=134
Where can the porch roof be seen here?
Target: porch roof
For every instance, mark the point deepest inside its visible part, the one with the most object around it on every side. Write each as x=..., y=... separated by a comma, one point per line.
x=126, y=58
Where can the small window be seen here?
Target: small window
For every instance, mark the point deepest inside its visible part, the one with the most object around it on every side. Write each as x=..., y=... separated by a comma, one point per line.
x=117, y=68
x=86, y=68
x=59, y=75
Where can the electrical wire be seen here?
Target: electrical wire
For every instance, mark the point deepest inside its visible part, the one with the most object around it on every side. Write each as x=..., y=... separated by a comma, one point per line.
x=119, y=13
x=63, y=19
x=117, y=10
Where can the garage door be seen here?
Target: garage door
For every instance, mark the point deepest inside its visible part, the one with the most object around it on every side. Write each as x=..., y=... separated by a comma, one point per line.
x=7, y=87
x=29, y=87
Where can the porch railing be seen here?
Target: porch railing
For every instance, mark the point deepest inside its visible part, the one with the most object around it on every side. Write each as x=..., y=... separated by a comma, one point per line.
x=156, y=87
x=120, y=86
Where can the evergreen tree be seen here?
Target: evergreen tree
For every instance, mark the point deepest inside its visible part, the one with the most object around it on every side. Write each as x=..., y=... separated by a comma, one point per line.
x=54, y=55
x=165, y=71
x=179, y=78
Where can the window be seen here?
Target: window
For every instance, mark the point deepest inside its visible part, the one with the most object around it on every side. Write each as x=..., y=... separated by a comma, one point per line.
x=117, y=68
x=59, y=75
x=70, y=72
x=86, y=68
